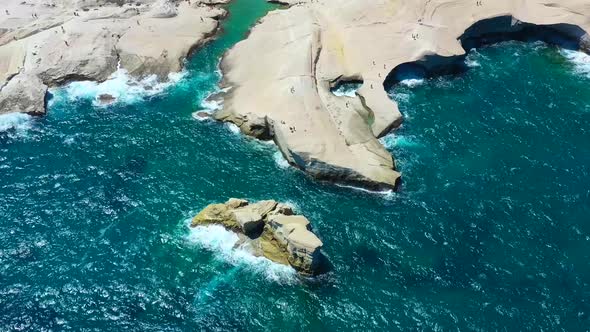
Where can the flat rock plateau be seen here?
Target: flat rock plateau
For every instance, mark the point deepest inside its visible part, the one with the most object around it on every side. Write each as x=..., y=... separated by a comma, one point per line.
x=303, y=52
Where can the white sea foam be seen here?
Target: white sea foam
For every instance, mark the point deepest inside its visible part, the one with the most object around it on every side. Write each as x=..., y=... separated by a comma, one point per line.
x=392, y=141
x=472, y=63
x=233, y=128
x=18, y=122
x=347, y=90
x=580, y=60
x=400, y=97
x=197, y=117
x=280, y=160
x=211, y=105
x=388, y=194
x=222, y=243
x=412, y=82
x=470, y=59
x=120, y=85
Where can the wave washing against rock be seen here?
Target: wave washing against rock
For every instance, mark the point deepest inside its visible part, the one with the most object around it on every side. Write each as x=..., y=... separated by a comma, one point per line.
x=121, y=86
x=15, y=123
x=280, y=160
x=471, y=59
x=412, y=82
x=580, y=60
x=222, y=243
x=392, y=141
x=346, y=90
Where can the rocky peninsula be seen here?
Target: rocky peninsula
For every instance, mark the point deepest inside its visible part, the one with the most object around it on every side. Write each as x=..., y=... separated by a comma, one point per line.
x=45, y=43
x=303, y=52
x=269, y=229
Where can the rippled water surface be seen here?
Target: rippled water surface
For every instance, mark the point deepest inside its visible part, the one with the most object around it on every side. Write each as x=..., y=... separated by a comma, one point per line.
x=491, y=229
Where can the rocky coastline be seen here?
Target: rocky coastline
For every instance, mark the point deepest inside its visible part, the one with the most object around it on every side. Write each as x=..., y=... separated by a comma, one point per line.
x=46, y=44
x=305, y=50
x=269, y=229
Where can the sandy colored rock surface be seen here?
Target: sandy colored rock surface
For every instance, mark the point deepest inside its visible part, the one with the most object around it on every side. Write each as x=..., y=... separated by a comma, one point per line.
x=64, y=40
x=304, y=51
x=269, y=229
x=24, y=94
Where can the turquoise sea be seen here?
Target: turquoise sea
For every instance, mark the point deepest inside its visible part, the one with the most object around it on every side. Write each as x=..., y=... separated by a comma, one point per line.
x=489, y=231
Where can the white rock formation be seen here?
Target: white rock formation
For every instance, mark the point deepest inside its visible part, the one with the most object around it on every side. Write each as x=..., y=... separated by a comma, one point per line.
x=64, y=40
x=24, y=94
x=284, y=70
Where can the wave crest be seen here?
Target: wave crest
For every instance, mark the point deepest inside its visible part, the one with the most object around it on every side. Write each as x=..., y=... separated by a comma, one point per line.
x=222, y=243
x=17, y=123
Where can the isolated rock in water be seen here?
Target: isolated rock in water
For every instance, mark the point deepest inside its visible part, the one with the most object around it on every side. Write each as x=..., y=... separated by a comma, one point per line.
x=24, y=93
x=201, y=115
x=269, y=229
x=106, y=99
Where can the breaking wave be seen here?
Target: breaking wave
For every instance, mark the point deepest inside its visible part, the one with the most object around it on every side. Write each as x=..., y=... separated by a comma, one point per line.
x=222, y=243
x=280, y=160
x=580, y=60
x=412, y=82
x=120, y=87
x=15, y=123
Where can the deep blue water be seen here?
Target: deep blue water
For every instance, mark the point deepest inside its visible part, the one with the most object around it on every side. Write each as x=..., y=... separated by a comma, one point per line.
x=490, y=231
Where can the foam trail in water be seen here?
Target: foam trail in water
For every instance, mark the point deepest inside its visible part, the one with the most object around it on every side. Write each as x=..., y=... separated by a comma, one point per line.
x=222, y=243
x=580, y=60
x=120, y=85
x=341, y=92
x=18, y=122
x=388, y=194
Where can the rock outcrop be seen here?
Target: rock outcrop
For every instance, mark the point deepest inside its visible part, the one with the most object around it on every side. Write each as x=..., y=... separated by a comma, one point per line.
x=24, y=94
x=269, y=229
x=302, y=52
x=91, y=39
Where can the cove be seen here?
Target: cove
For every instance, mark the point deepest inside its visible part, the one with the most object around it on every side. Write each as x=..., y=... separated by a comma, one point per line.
x=489, y=231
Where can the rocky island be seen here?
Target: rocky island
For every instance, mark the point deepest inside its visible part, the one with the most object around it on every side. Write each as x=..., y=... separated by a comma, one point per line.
x=302, y=53
x=269, y=229
x=49, y=43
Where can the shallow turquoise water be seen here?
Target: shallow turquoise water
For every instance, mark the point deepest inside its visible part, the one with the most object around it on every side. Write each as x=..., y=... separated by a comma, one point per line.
x=489, y=231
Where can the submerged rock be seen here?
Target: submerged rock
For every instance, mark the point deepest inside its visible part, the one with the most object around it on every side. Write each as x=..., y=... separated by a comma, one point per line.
x=106, y=99
x=201, y=115
x=271, y=230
